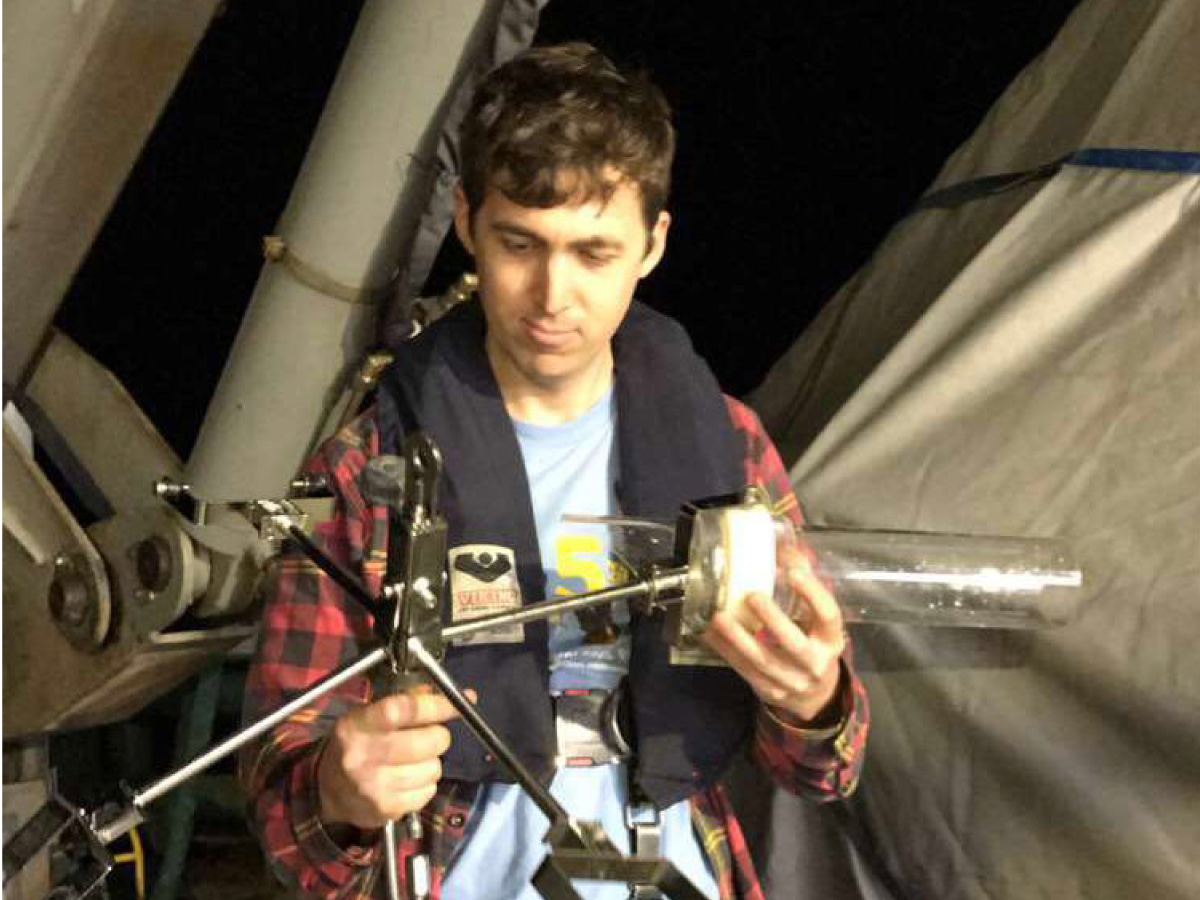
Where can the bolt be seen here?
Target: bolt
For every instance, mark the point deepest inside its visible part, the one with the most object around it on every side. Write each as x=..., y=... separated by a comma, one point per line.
x=310, y=486
x=170, y=490
x=152, y=560
x=69, y=600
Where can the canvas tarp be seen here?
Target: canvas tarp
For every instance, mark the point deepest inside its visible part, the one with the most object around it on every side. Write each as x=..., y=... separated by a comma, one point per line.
x=1022, y=357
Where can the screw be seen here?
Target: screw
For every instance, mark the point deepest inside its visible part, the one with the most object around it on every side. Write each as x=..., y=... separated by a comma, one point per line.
x=426, y=596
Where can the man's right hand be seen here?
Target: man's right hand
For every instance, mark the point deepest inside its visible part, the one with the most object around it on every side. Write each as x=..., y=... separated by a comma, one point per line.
x=381, y=760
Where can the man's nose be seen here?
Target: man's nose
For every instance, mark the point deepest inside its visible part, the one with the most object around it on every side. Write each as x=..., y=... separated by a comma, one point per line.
x=554, y=288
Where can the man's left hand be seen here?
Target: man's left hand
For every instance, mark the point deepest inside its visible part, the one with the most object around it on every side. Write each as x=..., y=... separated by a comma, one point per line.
x=793, y=666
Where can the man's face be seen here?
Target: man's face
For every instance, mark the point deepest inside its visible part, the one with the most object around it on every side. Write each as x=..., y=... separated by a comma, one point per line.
x=555, y=284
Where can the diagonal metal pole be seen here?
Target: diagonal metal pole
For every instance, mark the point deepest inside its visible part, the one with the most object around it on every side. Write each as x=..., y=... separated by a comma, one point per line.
x=149, y=794
x=482, y=730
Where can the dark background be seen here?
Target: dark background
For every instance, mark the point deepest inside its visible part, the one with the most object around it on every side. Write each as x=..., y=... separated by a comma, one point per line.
x=806, y=130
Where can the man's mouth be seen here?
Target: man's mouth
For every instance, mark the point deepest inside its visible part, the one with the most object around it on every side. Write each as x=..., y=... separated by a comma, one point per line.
x=547, y=336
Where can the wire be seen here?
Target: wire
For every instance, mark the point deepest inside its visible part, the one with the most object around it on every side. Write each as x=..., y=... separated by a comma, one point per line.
x=138, y=858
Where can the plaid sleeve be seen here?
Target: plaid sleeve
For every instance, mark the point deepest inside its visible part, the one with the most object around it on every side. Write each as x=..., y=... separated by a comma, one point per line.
x=725, y=845
x=822, y=764
x=309, y=629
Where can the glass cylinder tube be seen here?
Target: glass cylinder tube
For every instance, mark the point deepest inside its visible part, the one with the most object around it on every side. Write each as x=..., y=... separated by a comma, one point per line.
x=931, y=579
x=917, y=578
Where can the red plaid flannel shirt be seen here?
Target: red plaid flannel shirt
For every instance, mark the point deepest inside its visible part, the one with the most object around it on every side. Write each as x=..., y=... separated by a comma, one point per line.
x=309, y=629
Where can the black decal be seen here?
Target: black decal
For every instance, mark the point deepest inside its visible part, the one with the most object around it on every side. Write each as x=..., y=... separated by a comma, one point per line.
x=485, y=566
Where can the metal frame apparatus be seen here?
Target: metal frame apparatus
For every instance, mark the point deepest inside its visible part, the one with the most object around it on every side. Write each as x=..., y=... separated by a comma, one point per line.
x=936, y=580
x=407, y=619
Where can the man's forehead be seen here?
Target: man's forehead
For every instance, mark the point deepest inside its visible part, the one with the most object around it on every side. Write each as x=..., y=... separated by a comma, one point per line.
x=574, y=183
x=567, y=186
x=612, y=216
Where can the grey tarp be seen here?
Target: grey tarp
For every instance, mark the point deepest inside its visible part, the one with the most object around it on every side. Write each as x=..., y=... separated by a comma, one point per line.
x=1025, y=360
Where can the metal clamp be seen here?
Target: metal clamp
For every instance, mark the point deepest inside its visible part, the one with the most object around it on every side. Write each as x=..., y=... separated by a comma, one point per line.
x=645, y=825
x=645, y=839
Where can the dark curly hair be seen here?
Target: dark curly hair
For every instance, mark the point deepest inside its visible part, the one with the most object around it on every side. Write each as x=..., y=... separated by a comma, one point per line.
x=555, y=123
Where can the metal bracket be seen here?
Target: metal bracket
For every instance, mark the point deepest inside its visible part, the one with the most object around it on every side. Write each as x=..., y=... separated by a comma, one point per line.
x=74, y=829
x=417, y=558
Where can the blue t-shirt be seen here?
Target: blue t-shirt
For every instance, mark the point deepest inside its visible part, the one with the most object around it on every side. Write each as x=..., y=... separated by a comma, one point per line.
x=571, y=468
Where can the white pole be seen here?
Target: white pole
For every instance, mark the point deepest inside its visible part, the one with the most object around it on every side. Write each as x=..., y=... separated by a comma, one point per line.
x=370, y=165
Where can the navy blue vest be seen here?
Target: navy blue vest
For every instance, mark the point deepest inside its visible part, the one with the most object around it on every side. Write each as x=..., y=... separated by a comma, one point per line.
x=676, y=443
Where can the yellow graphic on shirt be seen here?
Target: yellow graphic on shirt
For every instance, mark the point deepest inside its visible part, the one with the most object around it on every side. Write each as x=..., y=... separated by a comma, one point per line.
x=582, y=565
x=580, y=557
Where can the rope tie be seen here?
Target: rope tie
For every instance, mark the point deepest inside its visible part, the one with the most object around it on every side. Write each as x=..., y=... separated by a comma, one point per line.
x=276, y=250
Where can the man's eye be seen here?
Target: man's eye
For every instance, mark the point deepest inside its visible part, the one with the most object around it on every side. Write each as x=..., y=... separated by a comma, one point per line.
x=597, y=257
x=516, y=245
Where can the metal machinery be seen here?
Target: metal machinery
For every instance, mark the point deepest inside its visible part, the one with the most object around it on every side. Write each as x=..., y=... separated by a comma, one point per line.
x=141, y=569
x=100, y=619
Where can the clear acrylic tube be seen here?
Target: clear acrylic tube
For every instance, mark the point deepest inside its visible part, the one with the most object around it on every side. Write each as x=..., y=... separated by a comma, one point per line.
x=902, y=577
x=932, y=579
x=917, y=578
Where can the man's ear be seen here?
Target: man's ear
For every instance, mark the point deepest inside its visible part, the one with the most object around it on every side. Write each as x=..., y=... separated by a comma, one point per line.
x=658, y=244
x=462, y=219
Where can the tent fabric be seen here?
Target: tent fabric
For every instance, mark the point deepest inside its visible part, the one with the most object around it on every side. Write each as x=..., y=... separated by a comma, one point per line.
x=1149, y=160
x=1025, y=363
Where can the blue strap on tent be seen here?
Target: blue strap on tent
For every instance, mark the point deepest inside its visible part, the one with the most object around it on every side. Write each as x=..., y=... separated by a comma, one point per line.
x=989, y=185
x=1176, y=161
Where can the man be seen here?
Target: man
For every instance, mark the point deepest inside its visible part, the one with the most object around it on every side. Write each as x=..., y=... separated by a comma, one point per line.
x=554, y=394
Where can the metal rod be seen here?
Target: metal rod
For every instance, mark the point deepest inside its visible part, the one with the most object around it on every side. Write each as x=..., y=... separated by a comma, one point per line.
x=479, y=726
x=334, y=570
x=668, y=580
x=230, y=744
x=389, y=861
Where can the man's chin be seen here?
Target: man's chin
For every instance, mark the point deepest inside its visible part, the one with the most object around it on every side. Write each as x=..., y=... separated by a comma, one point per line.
x=550, y=373
x=546, y=372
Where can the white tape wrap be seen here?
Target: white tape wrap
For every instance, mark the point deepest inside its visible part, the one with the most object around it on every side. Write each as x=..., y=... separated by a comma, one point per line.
x=748, y=537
